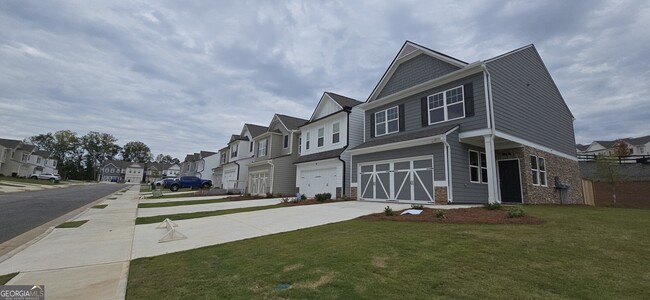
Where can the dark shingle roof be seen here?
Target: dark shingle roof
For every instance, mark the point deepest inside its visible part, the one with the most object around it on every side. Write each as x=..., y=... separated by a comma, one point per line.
x=9, y=143
x=256, y=130
x=606, y=144
x=292, y=123
x=319, y=156
x=639, y=141
x=42, y=153
x=406, y=137
x=118, y=163
x=237, y=137
x=207, y=153
x=582, y=147
x=343, y=101
x=27, y=147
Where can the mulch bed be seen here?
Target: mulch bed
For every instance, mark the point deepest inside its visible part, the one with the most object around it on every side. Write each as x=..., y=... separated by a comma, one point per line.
x=310, y=202
x=477, y=215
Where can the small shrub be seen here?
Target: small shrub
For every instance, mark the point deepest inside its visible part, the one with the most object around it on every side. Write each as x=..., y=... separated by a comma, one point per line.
x=388, y=211
x=441, y=214
x=493, y=206
x=417, y=206
x=247, y=195
x=269, y=195
x=285, y=200
x=303, y=197
x=323, y=196
x=516, y=212
x=229, y=193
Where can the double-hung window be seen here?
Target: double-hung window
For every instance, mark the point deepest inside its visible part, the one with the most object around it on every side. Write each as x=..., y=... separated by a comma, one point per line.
x=233, y=150
x=387, y=121
x=223, y=158
x=261, y=148
x=538, y=168
x=336, y=132
x=285, y=142
x=447, y=105
x=321, y=136
x=477, y=167
x=307, y=138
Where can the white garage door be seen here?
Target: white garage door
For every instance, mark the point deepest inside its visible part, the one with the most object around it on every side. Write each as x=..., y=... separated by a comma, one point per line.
x=404, y=180
x=259, y=183
x=318, y=181
x=229, y=179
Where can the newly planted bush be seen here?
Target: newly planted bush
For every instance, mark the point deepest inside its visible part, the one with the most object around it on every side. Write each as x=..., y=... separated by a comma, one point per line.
x=440, y=214
x=493, y=206
x=323, y=196
x=388, y=211
x=417, y=206
x=516, y=212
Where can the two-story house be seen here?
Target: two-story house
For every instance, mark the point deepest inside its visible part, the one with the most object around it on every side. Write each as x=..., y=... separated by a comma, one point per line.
x=272, y=170
x=156, y=171
x=241, y=150
x=324, y=163
x=438, y=129
x=217, y=172
x=41, y=162
x=16, y=158
x=200, y=164
x=113, y=170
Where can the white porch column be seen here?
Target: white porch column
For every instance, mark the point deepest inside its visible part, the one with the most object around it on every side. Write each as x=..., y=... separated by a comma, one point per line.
x=493, y=182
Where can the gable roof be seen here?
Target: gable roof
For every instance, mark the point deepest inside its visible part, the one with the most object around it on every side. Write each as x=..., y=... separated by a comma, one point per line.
x=639, y=141
x=343, y=101
x=582, y=147
x=255, y=130
x=42, y=153
x=409, y=50
x=289, y=122
x=10, y=143
x=207, y=153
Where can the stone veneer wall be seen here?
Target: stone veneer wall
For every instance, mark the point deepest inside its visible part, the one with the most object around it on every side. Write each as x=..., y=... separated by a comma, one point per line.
x=568, y=171
x=353, y=192
x=441, y=195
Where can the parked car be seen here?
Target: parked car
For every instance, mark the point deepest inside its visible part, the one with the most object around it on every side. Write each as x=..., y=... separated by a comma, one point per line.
x=190, y=182
x=46, y=176
x=166, y=182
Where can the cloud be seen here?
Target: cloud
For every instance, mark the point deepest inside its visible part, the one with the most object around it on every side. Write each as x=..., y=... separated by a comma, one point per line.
x=184, y=76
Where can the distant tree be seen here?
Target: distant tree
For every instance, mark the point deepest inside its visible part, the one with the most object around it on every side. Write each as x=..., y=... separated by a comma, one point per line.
x=607, y=170
x=621, y=148
x=136, y=152
x=65, y=147
x=99, y=147
x=166, y=159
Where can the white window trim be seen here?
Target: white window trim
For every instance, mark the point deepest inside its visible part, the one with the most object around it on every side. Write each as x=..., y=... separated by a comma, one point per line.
x=385, y=111
x=259, y=148
x=319, y=137
x=336, y=132
x=537, y=158
x=445, y=105
x=480, y=167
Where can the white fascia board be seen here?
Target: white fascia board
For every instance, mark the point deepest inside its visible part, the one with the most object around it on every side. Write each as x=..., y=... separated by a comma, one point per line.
x=534, y=145
x=474, y=133
x=472, y=68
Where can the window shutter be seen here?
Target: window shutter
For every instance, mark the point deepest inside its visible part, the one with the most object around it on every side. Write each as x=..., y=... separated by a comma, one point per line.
x=469, y=100
x=400, y=109
x=424, y=111
x=372, y=125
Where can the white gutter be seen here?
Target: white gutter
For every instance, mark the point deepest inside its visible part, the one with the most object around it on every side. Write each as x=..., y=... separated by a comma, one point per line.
x=493, y=187
x=447, y=148
x=272, y=174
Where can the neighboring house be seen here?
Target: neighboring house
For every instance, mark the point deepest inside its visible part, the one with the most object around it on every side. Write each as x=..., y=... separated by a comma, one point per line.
x=438, y=129
x=134, y=173
x=272, y=170
x=42, y=163
x=200, y=164
x=126, y=171
x=156, y=171
x=113, y=170
x=14, y=158
x=240, y=155
x=217, y=172
x=324, y=164
x=637, y=146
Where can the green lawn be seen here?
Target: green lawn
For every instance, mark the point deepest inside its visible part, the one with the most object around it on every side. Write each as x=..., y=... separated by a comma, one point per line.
x=72, y=224
x=181, y=203
x=580, y=252
x=201, y=214
x=100, y=206
x=5, y=278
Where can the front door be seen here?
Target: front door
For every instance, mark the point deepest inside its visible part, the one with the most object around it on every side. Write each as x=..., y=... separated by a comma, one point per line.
x=510, y=181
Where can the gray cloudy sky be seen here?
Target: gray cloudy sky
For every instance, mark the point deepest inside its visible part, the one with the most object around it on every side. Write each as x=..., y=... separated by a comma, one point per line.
x=182, y=76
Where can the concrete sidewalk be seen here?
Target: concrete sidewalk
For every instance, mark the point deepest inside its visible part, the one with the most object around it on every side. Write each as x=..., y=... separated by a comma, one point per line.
x=72, y=262
x=157, y=211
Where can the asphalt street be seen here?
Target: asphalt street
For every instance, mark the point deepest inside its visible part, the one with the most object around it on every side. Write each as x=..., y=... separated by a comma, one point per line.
x=23, y=211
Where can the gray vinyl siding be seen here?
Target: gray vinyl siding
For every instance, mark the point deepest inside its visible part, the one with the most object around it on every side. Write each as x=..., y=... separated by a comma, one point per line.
x=284, y=176
x=276, y=146
x=355, y=137
x=437, y=150
x=417, y=70
x=412, y=108
x=464, y=191
x=527, y=104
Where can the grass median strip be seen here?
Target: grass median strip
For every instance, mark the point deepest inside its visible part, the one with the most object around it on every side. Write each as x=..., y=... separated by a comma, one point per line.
x=72, y=224
x=200, y=214
x=5, y=278
x=100, y=206
x=181, y=203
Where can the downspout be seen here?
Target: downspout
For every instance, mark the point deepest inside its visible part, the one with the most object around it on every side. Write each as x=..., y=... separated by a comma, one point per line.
x=492, y=159
x=347, y=142
x=450, y=193
x=272, y=174
x=237, y=182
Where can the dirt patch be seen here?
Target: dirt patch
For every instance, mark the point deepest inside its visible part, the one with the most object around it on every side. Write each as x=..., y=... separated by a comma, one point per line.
x=379, y=262
x=477, y=215
x=292, y=267
x=325, y=279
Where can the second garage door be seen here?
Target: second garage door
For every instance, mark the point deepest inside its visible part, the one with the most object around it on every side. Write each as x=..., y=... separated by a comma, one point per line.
x=318, y=181
x=402, y=180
